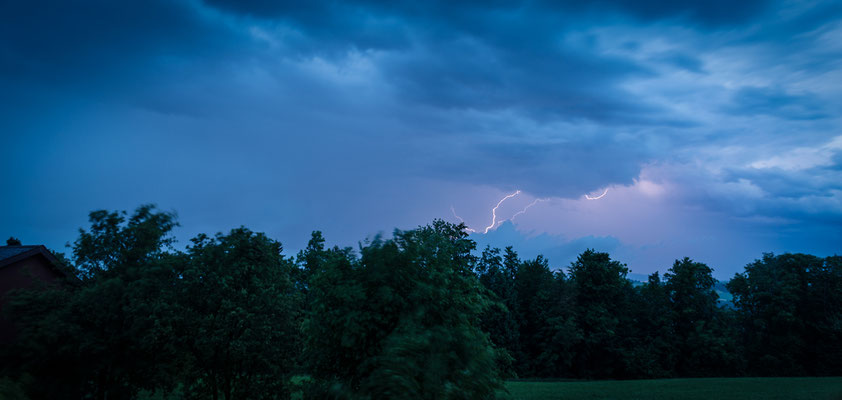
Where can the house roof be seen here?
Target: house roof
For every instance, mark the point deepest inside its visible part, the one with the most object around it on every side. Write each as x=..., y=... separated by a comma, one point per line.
x=12, y=254
x=11, y=251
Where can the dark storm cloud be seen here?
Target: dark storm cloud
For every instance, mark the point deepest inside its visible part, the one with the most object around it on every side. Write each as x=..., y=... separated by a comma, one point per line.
x=57, y=58
x=783, y=184
x=797, y=191
x=358, y=116
x=801, y=195
x=680, y=60
x=470, y=55
x=705, y=12
x=543, y=83
x=305, y=10
x=708, y=14
x=789, y=31
x=498, y=55
x=566, y=169
x=62, y=42
x=776, y=102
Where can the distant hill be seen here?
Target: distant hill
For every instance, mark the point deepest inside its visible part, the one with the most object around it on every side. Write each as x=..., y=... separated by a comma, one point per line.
x=724, y=295
x=722, y=291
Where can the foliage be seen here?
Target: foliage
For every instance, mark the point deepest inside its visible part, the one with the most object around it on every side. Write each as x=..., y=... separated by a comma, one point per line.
x=546, y=328
x=309, y=261
x=418, y=316
x=500, y=319
x=685, y=389
x=655, y=355
x=11, y=390
x=402, y=321
x=101, y=338
x=114, y=246
x=790, y=307
x=217, y=320
x=703, y=348
x=602, y=299
x=235, y=304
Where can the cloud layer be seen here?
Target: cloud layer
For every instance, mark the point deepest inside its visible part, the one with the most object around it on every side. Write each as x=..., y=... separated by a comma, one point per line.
x=714, y=123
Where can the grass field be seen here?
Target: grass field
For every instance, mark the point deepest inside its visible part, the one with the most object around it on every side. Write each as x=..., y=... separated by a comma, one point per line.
x=689, y=389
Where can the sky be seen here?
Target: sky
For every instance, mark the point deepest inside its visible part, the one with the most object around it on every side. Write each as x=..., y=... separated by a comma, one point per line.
x=713, y=128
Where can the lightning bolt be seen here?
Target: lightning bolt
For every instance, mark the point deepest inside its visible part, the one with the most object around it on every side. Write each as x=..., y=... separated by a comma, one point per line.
x=494, y=211
x=534, y=202
x=461, y=220
x=597, y=197
x=494, y=222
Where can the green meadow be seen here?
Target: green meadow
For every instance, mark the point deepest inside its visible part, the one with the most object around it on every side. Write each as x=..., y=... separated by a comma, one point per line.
x=685, y=389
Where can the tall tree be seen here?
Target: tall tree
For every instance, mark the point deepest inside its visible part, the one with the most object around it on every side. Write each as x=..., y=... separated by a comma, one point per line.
x=402, y=322
x=602, y=300
x=237, y=310
x=789, y=307
x=114, y=245
x=499, y=319
x=703, y=345
x=534, y=283
x=655, y=355
x=309, y=260
x=824, y=312
x=101, y=339
x=559, y=333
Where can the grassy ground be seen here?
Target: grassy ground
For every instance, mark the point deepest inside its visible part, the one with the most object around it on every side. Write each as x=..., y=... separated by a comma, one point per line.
x=689, y=389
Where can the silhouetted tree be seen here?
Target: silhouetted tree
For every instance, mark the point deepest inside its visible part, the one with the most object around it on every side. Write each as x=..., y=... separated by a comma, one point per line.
x=534, y=285
x=499, y=319
x=101, y=339
x=236, y=308
x=309, y=260
x=656, y=354
x=602, y=300
x=402, y=322
x=414, y=317
x=217, y=321
x=703, y=344
x=789, y=306
x=824, y=313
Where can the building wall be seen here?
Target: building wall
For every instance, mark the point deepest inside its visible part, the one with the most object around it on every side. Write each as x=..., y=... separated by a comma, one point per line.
x=19, y=275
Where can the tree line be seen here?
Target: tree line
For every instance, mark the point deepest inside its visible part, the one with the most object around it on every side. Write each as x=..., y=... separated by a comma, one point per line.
x=415, y=316
x=593, y=323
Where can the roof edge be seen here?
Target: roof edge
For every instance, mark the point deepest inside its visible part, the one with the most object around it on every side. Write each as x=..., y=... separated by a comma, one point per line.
x=36, y=250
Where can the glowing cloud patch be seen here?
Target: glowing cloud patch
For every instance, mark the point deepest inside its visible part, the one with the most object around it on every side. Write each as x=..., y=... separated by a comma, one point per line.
x=534, y=202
